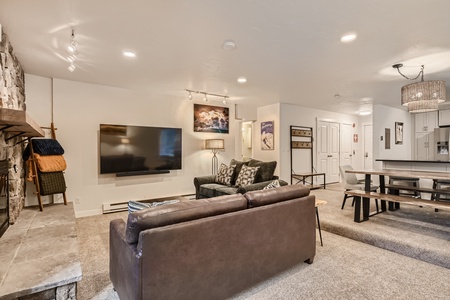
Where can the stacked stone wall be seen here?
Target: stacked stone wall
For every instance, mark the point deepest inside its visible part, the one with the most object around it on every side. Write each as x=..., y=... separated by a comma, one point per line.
x=12, y=96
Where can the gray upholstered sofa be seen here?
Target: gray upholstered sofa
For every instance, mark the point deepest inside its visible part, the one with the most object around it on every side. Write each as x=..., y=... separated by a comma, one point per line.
x=207, y=186
x=212, y=248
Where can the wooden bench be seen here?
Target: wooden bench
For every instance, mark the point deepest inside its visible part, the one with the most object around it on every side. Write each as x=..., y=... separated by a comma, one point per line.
x=366, y=196
x=418, y=189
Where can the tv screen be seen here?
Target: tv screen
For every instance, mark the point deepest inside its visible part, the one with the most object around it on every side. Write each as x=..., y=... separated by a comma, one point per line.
x=139, y=149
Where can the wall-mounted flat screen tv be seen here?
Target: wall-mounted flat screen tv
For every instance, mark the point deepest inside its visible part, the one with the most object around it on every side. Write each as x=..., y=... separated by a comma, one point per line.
x=134, y=150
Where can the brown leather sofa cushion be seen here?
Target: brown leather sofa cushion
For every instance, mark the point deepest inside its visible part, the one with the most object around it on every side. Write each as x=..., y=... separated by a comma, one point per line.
x=181, y=212
x=266, y=197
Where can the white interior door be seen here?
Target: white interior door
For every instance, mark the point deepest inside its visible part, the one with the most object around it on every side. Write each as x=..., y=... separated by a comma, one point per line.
x=328, y=150
x=347, y=144
x=368, y=141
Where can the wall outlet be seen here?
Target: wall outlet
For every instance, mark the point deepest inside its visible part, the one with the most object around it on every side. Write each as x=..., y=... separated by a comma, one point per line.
x=77, y=200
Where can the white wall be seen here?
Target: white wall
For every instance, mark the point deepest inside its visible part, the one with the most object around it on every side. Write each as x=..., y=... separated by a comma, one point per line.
x=79, y=108
x=300, y=116
x=385, y=117
x=285, y=115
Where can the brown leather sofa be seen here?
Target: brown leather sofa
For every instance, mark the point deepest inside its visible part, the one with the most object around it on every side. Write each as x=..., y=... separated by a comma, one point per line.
x=212, y=248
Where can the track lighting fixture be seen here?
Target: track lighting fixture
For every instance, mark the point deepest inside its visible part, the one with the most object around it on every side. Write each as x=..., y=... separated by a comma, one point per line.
x=205, y=95
x=72, y=67
x=73, y=51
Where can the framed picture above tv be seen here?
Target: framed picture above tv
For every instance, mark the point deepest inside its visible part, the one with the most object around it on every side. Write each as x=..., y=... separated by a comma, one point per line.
x=209, y=118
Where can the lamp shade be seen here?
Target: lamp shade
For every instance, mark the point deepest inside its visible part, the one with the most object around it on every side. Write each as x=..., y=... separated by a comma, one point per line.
x=215, y=144
x=423, y=96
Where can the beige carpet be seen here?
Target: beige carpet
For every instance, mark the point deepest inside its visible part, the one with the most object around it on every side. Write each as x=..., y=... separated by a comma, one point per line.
x=342, y=269
x=417, y=232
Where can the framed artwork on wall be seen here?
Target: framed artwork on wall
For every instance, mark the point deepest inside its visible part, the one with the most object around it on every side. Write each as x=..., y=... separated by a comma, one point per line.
x=398, y=133
x=267, y=136
x=209, y=118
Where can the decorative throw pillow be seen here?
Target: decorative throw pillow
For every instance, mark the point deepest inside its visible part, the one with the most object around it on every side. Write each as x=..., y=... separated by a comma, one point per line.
x=153, y=204
x=135, y=206
x=272, y=185
x=225, y=174
x=246, y=176
x=239, y=165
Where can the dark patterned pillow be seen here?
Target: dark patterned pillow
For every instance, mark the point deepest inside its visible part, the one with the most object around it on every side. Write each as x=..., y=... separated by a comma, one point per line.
x=272, y=185
x=225, y=174
x=246, y=176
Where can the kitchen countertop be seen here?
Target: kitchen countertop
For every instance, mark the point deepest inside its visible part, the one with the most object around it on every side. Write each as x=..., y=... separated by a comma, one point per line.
x=413, y=161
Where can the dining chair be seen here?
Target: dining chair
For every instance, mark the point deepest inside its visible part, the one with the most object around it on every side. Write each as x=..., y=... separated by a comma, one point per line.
x=353, y=183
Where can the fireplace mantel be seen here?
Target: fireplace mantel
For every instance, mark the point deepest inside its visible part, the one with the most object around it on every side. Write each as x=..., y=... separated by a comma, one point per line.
x=18, y=123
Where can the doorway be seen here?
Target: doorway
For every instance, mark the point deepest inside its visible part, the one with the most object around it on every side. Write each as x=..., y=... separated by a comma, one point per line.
x=328, y=150
x=246, y=140
x=368, y=142
x=347, y=144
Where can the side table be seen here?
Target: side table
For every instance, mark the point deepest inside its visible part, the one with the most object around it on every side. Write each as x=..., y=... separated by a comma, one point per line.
x=318, y=203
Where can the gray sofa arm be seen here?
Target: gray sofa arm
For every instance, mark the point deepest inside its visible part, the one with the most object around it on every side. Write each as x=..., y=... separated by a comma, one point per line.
x=258, y=186
x=198, y=181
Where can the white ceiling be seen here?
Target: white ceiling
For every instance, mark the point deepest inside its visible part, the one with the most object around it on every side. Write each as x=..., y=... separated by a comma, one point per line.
x=289, y=51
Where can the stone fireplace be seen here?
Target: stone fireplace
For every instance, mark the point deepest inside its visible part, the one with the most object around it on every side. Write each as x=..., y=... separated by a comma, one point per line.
x=12, y=96
x=4, y=197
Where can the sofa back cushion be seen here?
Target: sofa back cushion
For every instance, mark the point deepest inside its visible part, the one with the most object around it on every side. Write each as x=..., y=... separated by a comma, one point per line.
x=181, y=212
x=266, y=169
x=269, y=196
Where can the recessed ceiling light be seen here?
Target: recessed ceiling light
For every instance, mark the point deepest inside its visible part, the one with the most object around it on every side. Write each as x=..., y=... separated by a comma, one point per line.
x=364, y=112
x=129, y=54
x=242, y=80
x=349, y=37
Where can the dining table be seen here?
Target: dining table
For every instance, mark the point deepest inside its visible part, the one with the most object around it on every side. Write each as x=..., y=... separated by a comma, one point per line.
x=368, y=173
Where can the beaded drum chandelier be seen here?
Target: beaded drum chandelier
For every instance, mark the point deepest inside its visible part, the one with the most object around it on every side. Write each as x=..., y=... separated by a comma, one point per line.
x=422, y=96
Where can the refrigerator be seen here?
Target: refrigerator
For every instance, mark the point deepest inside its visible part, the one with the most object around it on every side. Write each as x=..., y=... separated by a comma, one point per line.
x=441, y=144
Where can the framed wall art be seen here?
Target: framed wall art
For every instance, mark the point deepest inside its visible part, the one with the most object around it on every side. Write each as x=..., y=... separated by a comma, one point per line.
x=267, y=136
x=398, y=133
x=209, y=118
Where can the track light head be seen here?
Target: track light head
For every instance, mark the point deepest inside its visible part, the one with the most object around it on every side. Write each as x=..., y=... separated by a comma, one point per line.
x=205, y=95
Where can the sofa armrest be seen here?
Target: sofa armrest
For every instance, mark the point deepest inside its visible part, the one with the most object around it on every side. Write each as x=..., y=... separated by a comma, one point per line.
x=123, y=260
x=198, y=181
x=258, y=186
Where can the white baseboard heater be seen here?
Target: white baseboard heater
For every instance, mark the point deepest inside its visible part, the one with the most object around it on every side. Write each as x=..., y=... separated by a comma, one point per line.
x=114, y=207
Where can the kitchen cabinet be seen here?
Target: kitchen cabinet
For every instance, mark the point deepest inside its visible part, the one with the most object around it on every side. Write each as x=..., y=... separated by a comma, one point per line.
x=424, y=123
